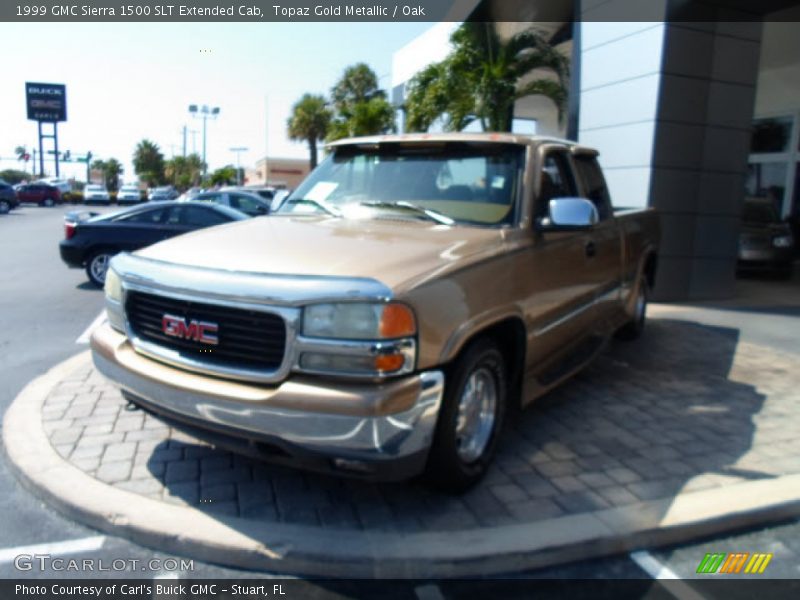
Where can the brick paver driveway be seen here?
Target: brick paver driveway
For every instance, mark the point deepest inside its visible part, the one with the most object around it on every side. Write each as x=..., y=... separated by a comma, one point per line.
x=687, y=407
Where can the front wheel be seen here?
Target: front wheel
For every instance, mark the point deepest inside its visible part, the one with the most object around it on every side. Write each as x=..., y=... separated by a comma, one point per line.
x=97, y=266
x=5, y=207
x=470, y=419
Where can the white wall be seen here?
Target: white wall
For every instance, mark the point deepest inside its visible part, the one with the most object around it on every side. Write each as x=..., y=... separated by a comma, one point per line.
x=620, y=77
x=431, y=46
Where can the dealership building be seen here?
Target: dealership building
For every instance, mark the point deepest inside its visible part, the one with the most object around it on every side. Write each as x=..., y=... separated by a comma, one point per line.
x=282, y=172
x=692, y=105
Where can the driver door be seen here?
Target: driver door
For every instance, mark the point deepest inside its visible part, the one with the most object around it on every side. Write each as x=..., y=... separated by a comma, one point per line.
x=561, y=309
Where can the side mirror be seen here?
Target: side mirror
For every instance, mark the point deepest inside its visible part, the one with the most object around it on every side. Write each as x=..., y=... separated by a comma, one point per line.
x=569, y=214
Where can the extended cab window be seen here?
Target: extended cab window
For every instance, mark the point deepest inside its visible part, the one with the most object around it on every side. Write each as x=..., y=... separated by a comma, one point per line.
x=557, y=181
x=470, y=183
x=594, y=183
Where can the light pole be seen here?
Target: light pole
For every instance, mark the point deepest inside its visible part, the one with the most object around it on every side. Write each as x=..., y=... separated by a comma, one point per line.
x=238, y=151
x=205, y=113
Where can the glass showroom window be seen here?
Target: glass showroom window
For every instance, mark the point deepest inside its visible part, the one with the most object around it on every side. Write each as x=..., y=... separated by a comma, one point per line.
x=774, y=155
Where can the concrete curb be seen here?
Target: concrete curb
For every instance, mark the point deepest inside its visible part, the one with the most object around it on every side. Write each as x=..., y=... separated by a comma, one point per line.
x=314, y=551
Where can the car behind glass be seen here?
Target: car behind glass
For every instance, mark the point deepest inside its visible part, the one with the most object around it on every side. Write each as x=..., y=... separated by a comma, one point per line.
x=765, y=242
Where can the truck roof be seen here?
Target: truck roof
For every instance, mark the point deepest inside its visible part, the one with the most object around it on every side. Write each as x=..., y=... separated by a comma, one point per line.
x=506, y=138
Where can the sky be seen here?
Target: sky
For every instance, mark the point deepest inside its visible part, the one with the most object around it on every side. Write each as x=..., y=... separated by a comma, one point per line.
x=129, y=81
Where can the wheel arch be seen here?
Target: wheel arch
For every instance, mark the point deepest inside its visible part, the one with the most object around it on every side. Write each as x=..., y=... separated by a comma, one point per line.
x=509, y=334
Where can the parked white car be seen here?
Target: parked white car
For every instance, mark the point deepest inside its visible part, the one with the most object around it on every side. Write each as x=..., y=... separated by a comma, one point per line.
x=129, y=194
x=96, y=194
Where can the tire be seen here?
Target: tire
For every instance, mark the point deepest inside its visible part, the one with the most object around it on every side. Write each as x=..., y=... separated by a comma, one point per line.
x=464, y=445
x=96, y=266
x=5, y=207
x=48, y=202
x=635, y=327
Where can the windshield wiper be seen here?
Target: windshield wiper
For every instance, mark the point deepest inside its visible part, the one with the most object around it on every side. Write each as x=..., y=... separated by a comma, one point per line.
x=331, y=210
x=421, y=210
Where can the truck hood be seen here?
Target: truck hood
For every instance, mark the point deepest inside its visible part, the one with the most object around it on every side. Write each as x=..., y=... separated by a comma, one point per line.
x=396, y=252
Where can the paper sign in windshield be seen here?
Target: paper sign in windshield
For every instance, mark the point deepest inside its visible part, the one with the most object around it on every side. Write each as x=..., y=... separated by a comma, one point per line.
x=321, y=191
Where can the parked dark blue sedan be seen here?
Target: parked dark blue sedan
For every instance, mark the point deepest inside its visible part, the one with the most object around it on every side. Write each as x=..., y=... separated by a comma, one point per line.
x=91, y=242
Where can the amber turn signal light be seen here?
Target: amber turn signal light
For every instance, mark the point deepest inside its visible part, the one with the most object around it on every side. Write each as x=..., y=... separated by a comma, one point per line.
x=397, y=321
x=387, y=363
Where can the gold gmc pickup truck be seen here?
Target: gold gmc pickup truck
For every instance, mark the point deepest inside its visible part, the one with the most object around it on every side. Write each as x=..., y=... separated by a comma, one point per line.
x=409, y=294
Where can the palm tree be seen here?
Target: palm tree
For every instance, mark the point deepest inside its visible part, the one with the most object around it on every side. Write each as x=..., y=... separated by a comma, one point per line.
x=309, y=122
x=361, y=107
x=148, y=162
x=357, y=84
x=184, y=172
x=111, y=173
x=21, y=151
x=483, y=77
x=100, y=166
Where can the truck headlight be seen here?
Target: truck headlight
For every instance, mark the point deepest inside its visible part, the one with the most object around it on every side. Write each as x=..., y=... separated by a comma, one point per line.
x=359, y=321
x=113, y=291
x=783, y=241
x=113, y=286
x=361, y=339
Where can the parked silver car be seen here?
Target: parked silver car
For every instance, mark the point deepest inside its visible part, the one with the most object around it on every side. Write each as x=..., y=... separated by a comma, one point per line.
x=250, y=204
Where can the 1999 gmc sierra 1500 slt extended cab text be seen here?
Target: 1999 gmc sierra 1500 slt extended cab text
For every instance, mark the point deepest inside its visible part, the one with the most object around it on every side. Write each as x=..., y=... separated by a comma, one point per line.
x=405, y=297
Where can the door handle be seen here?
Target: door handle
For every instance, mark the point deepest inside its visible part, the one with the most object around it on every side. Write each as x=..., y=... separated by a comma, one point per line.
x=590, y=249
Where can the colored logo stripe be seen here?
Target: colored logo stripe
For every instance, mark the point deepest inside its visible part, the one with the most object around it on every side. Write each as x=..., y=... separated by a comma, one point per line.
x=758, y=563
x=733, y=563
x=710, y=563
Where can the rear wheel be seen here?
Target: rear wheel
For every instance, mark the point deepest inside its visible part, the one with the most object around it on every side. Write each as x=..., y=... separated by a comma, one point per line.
x=97, y=266
x=48, y=202
x=635, y=327
x=470, y=419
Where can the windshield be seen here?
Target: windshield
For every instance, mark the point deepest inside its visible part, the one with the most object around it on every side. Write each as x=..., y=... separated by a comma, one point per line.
x=759, y=213
x=469, y=183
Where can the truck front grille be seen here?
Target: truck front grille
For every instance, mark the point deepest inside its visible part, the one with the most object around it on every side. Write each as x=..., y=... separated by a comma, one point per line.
x=248, y=339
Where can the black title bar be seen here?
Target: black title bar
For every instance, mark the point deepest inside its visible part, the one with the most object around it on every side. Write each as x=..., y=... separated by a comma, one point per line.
x=299, y=11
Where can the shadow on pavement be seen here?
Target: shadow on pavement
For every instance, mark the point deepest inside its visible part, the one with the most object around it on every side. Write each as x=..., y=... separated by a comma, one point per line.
x=645, y=421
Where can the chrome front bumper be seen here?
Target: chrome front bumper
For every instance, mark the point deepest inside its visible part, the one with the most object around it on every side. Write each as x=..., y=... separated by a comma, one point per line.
x=378, y=430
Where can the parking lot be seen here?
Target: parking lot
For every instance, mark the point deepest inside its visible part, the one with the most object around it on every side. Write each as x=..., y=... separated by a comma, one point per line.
x=48, y=308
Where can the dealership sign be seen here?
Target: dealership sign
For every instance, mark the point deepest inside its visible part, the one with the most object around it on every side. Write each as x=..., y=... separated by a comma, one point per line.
x=46, y=101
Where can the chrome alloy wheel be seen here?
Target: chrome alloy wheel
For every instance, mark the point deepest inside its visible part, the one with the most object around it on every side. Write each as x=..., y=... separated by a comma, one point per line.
x=99, y=266
x=641, y=303
x=477, y=410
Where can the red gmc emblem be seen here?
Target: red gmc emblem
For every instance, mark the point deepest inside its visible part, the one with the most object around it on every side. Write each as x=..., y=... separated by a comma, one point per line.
x=198, y=331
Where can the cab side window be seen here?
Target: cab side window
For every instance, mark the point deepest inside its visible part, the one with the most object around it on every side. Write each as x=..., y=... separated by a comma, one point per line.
x=595, y=184
x=557, y=181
